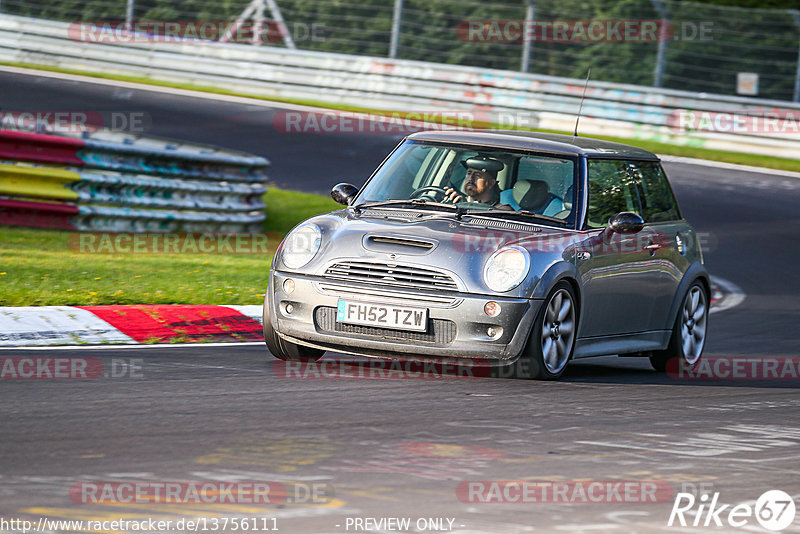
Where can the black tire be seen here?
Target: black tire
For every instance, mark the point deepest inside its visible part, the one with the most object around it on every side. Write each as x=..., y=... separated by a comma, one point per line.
x=285, y=350
x=660, y=359
x=533, y=364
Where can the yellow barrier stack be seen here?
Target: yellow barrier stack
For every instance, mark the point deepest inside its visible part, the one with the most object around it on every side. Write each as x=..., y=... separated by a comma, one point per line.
x=38, y=182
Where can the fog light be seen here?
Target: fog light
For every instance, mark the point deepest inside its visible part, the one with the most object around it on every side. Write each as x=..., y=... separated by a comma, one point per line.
x=288, y=286
x=289, y=309
x=492, y=309
x=491, y=332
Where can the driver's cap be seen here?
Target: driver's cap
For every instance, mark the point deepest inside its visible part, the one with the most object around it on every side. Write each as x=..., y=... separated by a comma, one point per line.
x=484, y=164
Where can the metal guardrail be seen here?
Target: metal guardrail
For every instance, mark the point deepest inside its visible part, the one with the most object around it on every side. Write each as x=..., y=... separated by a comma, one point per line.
x=514, y=98
x=137, y=185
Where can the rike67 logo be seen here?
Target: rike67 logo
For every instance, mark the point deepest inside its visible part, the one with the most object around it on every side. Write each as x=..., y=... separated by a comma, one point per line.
x=774, y=510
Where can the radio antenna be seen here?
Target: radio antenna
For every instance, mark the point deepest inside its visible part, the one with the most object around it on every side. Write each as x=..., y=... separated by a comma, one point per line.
x=580, y=108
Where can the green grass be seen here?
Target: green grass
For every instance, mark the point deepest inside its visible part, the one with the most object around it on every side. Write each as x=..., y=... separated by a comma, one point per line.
x=287, y=208
x=45, y=267
x=660, y=144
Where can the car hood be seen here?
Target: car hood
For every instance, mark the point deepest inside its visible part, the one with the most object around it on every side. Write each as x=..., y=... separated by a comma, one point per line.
x=435, y=240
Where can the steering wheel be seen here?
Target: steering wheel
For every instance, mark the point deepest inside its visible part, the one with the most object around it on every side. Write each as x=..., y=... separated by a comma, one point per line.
x=418, y=192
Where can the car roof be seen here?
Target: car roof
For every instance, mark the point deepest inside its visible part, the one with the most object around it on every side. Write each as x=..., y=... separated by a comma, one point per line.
x=538, y=141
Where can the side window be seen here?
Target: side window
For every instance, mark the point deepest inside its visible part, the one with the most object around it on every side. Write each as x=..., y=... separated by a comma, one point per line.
x=611, y=191
x=428, y=166
x=657, y=198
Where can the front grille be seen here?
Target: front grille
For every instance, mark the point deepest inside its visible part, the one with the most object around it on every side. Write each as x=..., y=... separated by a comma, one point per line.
x=343, y=291
x=440, y=331
x=387, y=274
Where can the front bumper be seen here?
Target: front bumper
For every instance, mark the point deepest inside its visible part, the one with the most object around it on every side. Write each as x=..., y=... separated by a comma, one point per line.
x=457, y=324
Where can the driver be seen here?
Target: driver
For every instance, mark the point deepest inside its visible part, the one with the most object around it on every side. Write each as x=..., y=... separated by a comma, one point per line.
x=480, y=183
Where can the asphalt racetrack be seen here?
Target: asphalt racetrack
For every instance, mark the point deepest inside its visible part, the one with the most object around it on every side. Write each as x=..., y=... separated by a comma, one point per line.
x=377, y=448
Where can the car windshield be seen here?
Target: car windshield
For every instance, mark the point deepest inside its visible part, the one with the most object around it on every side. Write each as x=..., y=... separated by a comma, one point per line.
x=497, y=181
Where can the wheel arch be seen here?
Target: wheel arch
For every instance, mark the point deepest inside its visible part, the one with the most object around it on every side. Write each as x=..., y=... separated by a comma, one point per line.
x=558, y=272
x=695, y=272
x=528, y=364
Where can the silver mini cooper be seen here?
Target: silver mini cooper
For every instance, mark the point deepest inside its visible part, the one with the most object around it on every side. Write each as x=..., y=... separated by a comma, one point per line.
x=518, y=250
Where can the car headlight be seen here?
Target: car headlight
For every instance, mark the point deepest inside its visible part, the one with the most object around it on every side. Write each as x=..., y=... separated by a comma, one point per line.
x=506, y=269
x=301, y=245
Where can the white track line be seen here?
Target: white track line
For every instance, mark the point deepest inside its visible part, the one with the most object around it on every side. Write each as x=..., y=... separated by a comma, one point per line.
x=734, y=295
x=56, y=325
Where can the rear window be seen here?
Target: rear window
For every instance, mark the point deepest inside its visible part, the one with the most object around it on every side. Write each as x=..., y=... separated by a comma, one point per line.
x=657, y=198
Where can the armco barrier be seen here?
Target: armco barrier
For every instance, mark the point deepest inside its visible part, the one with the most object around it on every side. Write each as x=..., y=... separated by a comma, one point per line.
x=108, y=182
x=37, y=182
x=37, y=214
x=22, y=146
x=536, y=101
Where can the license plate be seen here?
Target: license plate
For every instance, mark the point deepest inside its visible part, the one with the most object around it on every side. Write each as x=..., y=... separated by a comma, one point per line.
x=396, y=317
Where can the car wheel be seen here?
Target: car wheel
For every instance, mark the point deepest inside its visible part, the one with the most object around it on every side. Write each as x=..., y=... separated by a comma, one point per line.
x=286, y=350
x=552, y=340
x=689, y=332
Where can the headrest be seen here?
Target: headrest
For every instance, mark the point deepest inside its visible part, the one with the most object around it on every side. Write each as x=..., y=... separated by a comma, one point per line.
x=484, y=164
x=530, y=194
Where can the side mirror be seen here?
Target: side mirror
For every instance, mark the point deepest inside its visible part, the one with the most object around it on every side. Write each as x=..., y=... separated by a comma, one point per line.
x=626, y=222
x=344, y=193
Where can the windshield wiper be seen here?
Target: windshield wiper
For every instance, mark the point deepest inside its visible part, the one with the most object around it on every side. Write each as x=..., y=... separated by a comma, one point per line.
x=413, y=202
x=514, y=214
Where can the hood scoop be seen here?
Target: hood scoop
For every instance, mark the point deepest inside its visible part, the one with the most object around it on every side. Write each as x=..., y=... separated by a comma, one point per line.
x=399, y=244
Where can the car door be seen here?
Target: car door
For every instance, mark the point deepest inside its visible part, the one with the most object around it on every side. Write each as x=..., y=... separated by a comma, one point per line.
x=615, y=269
x=666, y=233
